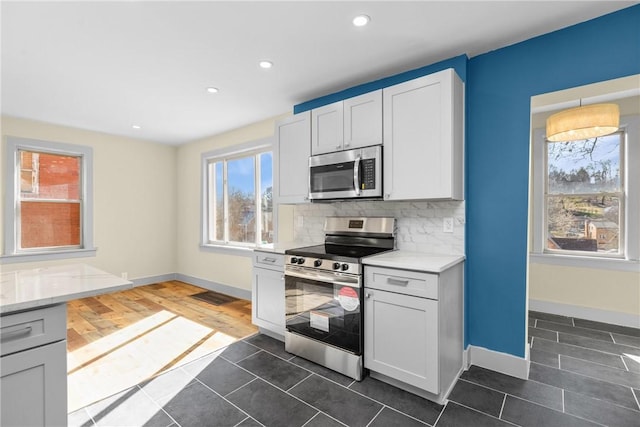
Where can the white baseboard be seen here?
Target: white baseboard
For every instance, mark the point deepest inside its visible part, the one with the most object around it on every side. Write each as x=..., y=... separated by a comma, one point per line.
x=499, y=362
x=216, y=287
x=153, y=279
x=587, y=313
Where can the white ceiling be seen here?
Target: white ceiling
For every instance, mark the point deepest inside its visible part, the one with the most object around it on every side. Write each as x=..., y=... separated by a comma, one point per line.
x=105, y=66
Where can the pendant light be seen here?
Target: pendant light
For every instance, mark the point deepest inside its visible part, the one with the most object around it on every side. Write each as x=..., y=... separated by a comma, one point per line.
x=583, y=122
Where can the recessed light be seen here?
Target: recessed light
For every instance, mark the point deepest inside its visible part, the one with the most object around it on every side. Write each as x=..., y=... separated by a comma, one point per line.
x=212, y=89
x=266, y=64
x=361, y=20
x=136, y=126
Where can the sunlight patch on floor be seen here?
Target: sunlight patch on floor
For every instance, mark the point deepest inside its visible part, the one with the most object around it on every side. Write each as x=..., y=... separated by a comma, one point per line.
x=136, y=353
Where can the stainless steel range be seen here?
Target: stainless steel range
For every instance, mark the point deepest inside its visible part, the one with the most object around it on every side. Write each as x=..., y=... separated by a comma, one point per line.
x=324, y=292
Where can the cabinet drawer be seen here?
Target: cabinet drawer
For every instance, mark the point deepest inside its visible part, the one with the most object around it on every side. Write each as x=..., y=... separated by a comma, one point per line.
x=33, y=328
x=268, y=260
x=414, y=283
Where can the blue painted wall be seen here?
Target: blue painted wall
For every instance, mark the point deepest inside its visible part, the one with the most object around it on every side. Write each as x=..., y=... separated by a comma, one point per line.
x=499, y=87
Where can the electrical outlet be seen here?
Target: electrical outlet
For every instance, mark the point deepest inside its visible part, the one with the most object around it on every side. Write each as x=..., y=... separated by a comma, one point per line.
x=125, y=276
x=447, y=225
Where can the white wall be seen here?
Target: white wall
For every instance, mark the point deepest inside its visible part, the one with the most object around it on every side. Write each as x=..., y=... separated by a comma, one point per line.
x=134, y=199
x=219, y=268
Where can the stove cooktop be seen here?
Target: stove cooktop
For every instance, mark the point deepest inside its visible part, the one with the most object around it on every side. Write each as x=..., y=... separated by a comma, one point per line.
x=336, y=252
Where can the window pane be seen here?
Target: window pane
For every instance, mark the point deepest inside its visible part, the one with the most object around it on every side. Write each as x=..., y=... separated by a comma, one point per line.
x=242, y=199
x=48, y=224
x=218, y=201
x=589, y=166
x=266, y=187
x=584, y=223
x=49, y=176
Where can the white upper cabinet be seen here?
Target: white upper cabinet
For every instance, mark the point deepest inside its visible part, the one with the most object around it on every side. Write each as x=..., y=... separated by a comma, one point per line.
x=326, y=128
x=291, y=159
x=363, y=120
x=352, y=123
x=423, y=125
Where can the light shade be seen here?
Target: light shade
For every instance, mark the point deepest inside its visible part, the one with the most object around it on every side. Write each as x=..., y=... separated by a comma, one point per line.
x=584, y=122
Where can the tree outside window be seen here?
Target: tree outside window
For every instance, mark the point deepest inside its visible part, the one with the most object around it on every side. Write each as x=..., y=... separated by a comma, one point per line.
x=585, y=195
x=239, y=207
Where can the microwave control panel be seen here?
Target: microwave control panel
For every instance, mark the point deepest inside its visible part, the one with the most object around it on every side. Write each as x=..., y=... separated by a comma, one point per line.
x=368, y=181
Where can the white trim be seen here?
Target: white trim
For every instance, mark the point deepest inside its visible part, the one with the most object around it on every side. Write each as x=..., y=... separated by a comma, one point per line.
x=499, y=362
x=48, y=256
x=585, y=262
x=10, y=251
x=214, y=286
x=587, y=313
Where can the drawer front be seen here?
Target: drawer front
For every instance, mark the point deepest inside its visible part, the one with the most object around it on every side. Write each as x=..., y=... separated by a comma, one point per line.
x=405, y=282
x=268, y=260
x=28, y=329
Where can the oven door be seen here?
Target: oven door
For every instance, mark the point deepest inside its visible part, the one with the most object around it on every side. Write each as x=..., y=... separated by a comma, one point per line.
x=346, y=174
x=325, y=306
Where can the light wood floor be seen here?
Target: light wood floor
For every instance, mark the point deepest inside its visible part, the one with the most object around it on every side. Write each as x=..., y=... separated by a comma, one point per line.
x=117, y=340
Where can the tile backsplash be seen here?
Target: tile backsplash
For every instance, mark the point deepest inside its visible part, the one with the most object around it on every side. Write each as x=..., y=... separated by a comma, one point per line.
x=419, y=223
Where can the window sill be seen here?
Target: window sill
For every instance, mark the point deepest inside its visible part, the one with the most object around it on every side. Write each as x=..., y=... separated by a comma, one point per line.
x=585, y=262
x=229, y=250
x=48, y=256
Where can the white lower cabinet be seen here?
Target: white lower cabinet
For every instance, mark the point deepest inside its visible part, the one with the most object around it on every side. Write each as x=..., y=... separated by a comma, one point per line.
x=413, y=328
x=33, y=368
x=267, y=293
x=401, y=338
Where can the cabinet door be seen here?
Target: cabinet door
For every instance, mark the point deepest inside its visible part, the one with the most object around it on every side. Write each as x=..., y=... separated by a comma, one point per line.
x=363, y=120
x=401, y=338
x=33, y=385
x=327, y=128
x=423, y=129
x=268, y=299
x=291, y=159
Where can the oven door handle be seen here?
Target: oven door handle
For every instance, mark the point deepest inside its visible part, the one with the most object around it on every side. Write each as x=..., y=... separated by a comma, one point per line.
x=324, y=277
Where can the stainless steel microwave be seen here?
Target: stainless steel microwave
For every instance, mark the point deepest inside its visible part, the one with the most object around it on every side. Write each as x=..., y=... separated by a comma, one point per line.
x=349, y=174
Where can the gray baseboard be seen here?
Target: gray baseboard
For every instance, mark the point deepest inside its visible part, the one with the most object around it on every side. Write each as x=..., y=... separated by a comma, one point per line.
x=216, y=287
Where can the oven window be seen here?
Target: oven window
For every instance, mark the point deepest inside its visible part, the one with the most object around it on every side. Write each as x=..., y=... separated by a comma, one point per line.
x=335, y=177
x=327, y=312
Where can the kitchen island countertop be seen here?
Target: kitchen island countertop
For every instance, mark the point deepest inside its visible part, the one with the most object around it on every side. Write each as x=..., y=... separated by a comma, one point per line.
x=417, y=261
x=38, y=287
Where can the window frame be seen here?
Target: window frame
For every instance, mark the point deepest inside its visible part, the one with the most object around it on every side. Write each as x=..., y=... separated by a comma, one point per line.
x=252, y=148
x=630, y=206
x=12, y=253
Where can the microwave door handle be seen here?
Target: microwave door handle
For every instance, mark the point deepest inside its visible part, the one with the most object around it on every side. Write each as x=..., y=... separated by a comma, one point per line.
x=356, y=175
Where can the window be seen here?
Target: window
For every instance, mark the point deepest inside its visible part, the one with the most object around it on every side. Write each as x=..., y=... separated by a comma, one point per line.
x=48, y=206
x=237, y=199
x=585, y=196
x=586, y=199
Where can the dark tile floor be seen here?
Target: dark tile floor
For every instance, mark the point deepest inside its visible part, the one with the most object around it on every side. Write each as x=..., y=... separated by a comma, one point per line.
x=583, y=373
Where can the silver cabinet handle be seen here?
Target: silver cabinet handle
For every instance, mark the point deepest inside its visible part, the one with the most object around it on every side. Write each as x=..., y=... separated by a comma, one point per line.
x=392, y=281
x=368, y=295
x=16, y=332
x=338, y=147
x=268, y=259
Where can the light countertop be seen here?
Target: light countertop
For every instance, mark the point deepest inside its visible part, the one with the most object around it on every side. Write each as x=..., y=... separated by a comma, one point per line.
x=417, y=261
x=280, y=247
x=28, y=289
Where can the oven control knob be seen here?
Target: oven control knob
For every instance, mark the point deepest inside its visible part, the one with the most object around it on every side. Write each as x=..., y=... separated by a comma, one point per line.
x=336, y=265
x=345, y=267
x=317, y=263
x=300, y=260
x=294, y=260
